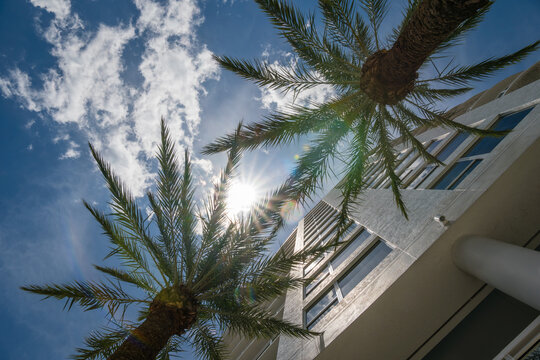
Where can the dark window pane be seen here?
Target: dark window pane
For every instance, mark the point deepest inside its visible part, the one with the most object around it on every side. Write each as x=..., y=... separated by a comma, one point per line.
x=350, y=248
x=433, y=145
x=509, y=122
x=452, y=145
x=465, y=173
x=405, y=162
x=318, y=307
x=416, y=163
x=451, y=174
x=312, y=264
x=313, y=284
x=422, y=176
x=364, y=266
x=326, y=311
x=488, y=143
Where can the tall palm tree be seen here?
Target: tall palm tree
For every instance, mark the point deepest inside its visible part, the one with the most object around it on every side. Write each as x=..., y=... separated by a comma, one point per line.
x=378, y=92
x=189, y=286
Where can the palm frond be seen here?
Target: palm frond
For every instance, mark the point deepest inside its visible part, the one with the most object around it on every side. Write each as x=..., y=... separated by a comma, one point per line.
x=353, y=180
x=128, y=214
x=386, y=150
x=208, y=344
x=88, y=295
x=461, y=76
x=280, y=128
x=459, y=33
x=345, y=28
x=133, y=278
x=252, y=321
x=293, y=77
x=124, y=246
x=215, y=216
x=101, y=344
x=312, y=166
x=376, y=10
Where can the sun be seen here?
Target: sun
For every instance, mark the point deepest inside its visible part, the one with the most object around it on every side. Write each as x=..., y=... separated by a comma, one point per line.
x=242, y=196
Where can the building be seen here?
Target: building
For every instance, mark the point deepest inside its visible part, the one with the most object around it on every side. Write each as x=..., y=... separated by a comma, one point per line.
x=460, y=279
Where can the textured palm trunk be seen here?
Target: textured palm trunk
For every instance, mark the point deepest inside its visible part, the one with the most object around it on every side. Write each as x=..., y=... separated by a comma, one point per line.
x=389, y=75
x=165, y=319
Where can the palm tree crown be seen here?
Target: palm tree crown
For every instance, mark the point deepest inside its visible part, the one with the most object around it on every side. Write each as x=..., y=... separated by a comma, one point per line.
x=378, y=92
x=189, y=286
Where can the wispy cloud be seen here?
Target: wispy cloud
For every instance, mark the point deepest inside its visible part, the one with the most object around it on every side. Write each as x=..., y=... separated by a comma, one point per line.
x=60, y=8
x=87, y=86
x=275, y=99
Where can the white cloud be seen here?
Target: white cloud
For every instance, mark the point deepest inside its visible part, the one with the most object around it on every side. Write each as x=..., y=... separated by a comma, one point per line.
x=275, y=99
x=60, y=8
x=72, y=152
x=86, y=87
x=64, y=137
x=30, y=147
x=29, y=124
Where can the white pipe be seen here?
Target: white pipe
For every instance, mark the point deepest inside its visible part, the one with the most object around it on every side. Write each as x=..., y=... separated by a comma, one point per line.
x=512, y=269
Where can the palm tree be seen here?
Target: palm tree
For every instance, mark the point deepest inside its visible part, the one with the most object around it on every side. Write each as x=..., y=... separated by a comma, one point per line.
x=190, y=287
x=378, y=92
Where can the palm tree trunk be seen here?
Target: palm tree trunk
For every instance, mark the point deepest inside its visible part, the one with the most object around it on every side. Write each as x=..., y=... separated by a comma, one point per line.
x=389, y=75
x=163, y=321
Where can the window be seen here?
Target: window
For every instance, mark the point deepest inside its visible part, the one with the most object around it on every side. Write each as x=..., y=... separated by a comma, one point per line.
x=363, y=267
x=377, y=251
x=343, y=254
x=325, y=238
x=419, y=160
x=320, y=308
x=313, y=229
x=477, y=152
x=448, y=149
x=377, y=173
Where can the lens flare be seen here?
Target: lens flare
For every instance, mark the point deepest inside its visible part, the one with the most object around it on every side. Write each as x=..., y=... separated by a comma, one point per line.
x=241, y=197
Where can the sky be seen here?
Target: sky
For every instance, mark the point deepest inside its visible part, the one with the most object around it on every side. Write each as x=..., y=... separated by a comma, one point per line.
x=102, y=71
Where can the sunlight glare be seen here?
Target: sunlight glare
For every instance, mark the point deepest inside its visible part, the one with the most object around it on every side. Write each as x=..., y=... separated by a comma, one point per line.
x=241, y=197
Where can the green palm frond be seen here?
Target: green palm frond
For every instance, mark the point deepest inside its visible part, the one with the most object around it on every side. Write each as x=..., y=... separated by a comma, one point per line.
x=463, y=75
x=127, y=213
x=312, y=166
x=346, y=28
x=287, y=78
x=101, y=344
x=207, y=342
x=124, y=246
x=256, y=322
x=386, y=150
x=135, y=278
x=88, y=295
x=376, y=10
x=459, y=33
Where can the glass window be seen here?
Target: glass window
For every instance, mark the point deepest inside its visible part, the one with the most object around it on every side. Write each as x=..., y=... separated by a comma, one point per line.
x=488, y=143
x=448, y=179
x=363, y=267
x=312, y=264
x=320, y=308
x=428, y=170
x=472, y=158
x=433, y=145
x=317, y=280
x=464, y=174
x=350, y=248
x=452, y=146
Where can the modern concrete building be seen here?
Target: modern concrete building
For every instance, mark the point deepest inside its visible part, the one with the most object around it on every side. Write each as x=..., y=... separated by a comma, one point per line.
x=460, y=279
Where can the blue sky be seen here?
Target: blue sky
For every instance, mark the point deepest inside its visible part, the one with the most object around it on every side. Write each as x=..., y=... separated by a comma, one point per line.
x=105, y=71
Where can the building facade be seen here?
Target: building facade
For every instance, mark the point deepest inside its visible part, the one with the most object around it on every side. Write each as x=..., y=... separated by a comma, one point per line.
x=460, y=279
